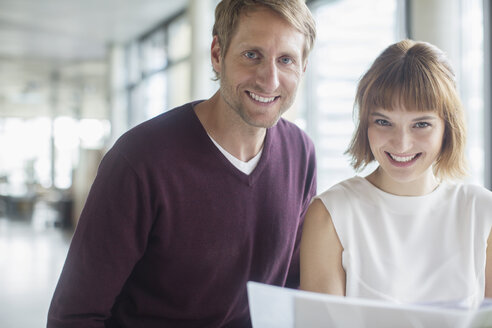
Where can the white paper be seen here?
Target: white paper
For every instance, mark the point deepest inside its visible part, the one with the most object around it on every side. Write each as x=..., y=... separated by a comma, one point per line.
x=276, y=307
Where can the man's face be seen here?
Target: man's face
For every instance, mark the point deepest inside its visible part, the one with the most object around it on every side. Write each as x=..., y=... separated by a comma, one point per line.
x=262, y=68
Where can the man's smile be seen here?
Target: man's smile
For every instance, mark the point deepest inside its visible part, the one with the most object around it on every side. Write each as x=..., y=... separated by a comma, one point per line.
x=261, y=99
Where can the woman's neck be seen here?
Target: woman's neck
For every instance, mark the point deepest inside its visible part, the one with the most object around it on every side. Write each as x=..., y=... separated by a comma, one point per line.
x=422, y=186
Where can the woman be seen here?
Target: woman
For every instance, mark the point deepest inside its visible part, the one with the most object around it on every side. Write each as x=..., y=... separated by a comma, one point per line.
x=405, y=233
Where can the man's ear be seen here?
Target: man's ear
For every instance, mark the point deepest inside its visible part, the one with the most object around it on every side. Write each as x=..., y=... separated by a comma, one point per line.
x=215, y=53
x=305, y=65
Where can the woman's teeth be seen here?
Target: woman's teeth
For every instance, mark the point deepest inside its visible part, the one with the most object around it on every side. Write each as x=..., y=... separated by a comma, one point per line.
x=402, y=158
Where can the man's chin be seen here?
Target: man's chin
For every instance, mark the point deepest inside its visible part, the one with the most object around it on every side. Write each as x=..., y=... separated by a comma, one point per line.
x=266, y=124
x=262, y=121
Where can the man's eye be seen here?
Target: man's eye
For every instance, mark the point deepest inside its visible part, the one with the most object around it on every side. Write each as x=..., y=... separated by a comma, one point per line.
x=286, y=60
x=421, y=125
x=382, y=122
x=251, y=54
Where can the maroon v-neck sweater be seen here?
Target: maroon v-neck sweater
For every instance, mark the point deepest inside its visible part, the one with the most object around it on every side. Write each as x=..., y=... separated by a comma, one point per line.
x=172, y=231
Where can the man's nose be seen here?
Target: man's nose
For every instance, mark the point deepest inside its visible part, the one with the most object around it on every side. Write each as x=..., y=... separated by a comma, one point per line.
x=267, y=76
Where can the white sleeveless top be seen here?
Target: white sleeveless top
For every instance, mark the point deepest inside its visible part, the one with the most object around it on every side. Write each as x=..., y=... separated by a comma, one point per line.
x=424, y=249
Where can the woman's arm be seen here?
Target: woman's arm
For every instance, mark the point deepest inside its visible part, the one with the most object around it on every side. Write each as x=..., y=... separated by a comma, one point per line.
x=321, y=253
x=488, y=268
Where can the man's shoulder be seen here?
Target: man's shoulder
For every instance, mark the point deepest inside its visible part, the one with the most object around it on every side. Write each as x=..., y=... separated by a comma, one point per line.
x=165, y=131
x=286, y=125
x=166, y=124
x=285, y=128
x=168, y=121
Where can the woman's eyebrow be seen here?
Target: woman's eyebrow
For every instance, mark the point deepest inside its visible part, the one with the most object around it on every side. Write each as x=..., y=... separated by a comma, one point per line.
x=420, y=118
x=425, y=118
x=378, y=114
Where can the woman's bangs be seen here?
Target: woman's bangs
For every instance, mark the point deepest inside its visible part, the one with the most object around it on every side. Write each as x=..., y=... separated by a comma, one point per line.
x=415, y=93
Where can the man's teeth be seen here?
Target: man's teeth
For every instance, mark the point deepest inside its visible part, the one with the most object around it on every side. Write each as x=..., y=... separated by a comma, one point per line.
x=261, y=99
x=402, y=158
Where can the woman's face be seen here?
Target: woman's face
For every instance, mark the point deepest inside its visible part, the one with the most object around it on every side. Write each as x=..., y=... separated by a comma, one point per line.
x=405, y=143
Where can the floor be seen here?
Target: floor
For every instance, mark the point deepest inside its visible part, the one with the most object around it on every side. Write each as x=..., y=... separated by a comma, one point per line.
x=32, y=253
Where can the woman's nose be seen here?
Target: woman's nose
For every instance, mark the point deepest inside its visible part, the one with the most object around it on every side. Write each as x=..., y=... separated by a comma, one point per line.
x=401, y=140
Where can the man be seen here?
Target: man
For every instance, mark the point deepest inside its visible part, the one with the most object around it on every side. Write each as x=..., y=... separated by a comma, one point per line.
x=190, y=205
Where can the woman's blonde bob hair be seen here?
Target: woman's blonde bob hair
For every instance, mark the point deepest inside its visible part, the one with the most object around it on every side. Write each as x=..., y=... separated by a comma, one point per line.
x=417, y=76
x=295, y=12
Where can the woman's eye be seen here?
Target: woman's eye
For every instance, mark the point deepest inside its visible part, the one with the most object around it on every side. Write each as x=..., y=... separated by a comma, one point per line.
x=421, y=125
x=382, y=122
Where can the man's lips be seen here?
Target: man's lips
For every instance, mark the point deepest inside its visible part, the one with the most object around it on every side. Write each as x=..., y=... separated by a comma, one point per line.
x=261, y=99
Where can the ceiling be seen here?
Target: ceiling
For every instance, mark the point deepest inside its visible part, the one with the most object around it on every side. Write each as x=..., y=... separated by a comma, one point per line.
x=76, y=29
x=59, y=47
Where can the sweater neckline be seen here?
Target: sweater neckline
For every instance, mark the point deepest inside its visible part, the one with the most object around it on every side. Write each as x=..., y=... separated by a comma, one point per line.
x=248, y=179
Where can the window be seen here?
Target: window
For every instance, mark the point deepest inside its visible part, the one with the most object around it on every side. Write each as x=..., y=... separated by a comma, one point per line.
x=158, y=66
x=351, y=34
x=471, y=77
x=30, y=143
x=154, y=53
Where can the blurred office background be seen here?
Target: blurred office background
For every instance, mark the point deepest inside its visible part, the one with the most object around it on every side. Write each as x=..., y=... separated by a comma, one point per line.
x=76, y=74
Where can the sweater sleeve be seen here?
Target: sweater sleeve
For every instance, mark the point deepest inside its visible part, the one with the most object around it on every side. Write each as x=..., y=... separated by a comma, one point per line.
x=109, y=239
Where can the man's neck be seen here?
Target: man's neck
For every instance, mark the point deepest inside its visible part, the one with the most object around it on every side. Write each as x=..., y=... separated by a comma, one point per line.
x=229, y=130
